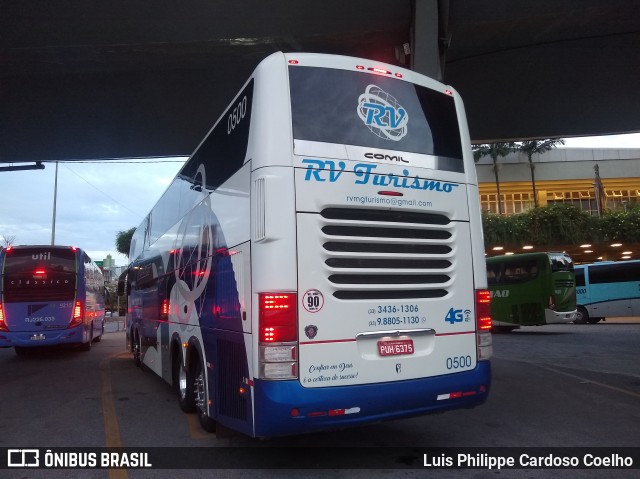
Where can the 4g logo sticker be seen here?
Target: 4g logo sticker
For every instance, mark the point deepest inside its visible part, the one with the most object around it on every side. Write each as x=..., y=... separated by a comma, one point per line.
x=458, y=316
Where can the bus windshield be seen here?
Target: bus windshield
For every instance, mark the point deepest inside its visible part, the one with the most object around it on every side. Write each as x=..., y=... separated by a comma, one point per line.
x=560, y=262
x=341, y=121
x=36, y=273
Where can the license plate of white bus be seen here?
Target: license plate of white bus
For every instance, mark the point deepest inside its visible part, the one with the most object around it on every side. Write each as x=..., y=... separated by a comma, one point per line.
x=395, y=347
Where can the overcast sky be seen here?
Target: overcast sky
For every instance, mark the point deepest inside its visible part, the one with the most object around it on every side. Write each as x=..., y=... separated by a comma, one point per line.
x=96, y=200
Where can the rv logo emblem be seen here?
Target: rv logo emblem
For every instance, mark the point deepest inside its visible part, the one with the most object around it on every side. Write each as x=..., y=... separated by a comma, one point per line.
x=382, y=114
x=311, y=331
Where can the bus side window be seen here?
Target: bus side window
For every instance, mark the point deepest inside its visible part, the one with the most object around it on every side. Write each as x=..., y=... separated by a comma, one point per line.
x=509, y=275
x=493, y=274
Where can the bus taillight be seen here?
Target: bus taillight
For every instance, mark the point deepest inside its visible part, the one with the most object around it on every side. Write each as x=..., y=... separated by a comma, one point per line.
x=278, y=315
x=277, y=326
x=483, y=322
x=483, y=309
x=3, y=325
x=78, y=315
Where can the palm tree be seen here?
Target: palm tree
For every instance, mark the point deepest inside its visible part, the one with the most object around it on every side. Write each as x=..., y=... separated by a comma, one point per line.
x=537, y=146
x=494, y=150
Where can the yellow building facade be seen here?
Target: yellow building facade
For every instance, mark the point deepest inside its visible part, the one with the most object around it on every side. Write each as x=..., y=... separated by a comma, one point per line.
x=594, y=180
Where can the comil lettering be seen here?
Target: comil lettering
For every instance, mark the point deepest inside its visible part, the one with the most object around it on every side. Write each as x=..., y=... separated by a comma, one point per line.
x=380, y=156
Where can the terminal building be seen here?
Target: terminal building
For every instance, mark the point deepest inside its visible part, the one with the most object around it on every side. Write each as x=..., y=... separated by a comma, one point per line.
x=591, y=179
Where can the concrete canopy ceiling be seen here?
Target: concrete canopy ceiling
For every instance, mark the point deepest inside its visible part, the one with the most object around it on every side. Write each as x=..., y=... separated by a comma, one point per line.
x=87, y=79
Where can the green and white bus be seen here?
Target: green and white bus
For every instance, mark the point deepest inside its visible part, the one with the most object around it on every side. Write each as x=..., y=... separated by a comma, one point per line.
x=531, y=289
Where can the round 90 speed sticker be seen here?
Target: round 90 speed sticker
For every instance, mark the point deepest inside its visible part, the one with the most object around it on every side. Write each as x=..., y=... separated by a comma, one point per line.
x=313, y=300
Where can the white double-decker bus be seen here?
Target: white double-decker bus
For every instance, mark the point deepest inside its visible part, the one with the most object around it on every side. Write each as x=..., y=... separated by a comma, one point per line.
x=318, y=262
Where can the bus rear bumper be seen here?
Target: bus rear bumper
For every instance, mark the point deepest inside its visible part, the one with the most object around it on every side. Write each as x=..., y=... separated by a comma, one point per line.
x=286, y=407
x=36, y=339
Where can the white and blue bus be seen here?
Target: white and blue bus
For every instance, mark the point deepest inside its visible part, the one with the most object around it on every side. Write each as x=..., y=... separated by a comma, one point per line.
x=50, y=295
x=607, y=289
x=318, y=262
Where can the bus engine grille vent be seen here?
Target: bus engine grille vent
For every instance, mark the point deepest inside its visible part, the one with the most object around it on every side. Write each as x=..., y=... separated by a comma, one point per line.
x=381, y=254
x=234, y=358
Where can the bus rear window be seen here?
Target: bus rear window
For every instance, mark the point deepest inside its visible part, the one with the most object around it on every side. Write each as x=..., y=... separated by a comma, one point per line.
x=39, y=275
x=355, y=108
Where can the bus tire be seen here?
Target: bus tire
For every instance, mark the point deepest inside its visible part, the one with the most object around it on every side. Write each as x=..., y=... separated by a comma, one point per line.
x=183, y=384
x=202, y=397
x=136, y=349
x=594, y=320
x=87, y=346
x=20, y=351
x=99, y=338
x=582, y=316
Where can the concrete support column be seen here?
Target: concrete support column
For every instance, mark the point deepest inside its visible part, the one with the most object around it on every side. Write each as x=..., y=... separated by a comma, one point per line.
x=426, y=55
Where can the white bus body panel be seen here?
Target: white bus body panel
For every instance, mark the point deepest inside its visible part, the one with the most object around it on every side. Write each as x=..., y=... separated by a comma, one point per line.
x=339, y=338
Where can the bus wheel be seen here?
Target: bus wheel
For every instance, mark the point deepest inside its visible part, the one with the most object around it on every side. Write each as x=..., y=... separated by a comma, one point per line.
x=99, y=338
x=87, y=346
x=594, y=320
x=136, y=349
x=201, y=398
x=20, y=351
x=582, y=316
x=183, y=384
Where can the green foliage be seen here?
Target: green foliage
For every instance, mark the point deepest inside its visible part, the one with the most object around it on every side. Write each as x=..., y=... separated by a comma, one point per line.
x=561, y=224
x=123, y=241
x=622, y=226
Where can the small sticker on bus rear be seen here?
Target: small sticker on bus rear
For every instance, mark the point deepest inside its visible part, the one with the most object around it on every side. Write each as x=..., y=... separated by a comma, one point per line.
x=313, y=300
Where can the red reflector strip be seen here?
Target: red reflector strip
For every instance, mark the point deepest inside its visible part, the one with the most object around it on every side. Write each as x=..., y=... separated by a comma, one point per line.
x=390, y=193
x=317, y=413
x=457, y=394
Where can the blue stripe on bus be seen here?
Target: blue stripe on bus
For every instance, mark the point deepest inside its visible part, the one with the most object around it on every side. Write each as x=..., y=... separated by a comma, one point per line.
x=274, y=401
